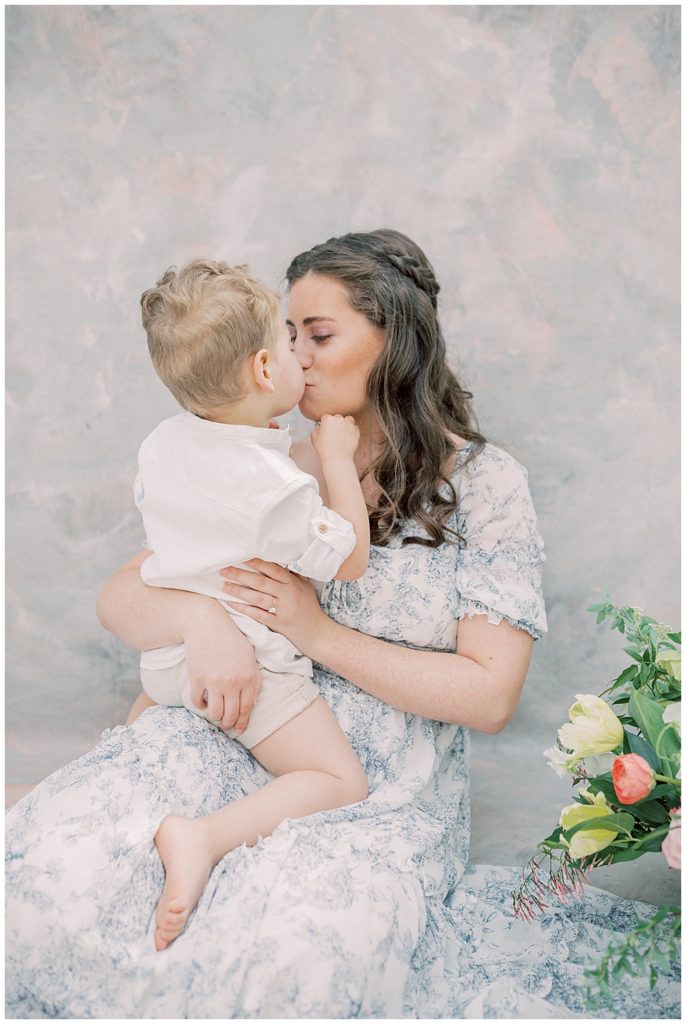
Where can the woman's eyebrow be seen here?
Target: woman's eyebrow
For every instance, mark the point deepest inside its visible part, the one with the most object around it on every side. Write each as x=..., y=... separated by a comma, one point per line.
x=311, y=319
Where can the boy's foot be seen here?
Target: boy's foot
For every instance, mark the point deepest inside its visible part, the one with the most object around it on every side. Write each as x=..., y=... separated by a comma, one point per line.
x=187, y=862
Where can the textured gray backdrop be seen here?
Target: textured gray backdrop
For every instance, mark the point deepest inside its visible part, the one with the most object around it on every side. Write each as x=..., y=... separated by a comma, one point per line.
x=532, y=151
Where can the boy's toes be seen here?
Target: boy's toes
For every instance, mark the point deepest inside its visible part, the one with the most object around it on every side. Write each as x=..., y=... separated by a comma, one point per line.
x=171, y=920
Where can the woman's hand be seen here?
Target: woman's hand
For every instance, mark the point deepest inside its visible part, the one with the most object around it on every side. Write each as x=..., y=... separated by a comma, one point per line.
x=221, y=666
x=298, y=614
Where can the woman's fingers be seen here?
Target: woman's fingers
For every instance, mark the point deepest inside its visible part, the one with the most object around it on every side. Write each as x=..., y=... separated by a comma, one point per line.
x=258, y=614
x=257, y=598
x=271, y=570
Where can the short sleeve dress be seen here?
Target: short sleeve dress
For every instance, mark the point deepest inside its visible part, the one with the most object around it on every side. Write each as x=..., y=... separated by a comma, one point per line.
x=367, y=911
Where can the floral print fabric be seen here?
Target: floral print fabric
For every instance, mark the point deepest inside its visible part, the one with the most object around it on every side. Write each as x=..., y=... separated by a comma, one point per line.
x=367, y=911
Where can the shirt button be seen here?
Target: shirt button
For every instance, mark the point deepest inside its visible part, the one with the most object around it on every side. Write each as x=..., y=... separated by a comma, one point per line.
x=322, y=527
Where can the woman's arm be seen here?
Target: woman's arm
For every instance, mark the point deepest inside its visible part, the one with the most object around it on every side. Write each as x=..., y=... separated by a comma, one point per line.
x=478, y=687
x=220, y=659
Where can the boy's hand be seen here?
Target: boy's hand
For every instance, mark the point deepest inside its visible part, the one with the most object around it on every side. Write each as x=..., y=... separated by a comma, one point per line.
x=335, y=435
x=222, y=669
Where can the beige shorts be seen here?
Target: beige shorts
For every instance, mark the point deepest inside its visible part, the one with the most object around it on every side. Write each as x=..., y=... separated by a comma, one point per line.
x=283, y=696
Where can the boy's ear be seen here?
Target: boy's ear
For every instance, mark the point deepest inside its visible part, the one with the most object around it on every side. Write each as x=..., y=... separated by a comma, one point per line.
x=261, y=370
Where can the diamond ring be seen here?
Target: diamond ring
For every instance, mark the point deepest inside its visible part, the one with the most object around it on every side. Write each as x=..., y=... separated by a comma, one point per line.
x=273, y=610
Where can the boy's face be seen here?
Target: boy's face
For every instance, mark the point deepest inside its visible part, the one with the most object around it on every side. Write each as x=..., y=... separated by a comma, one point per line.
x=287, y=374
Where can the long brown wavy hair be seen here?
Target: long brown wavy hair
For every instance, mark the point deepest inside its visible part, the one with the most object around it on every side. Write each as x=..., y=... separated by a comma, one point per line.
x=411, y=390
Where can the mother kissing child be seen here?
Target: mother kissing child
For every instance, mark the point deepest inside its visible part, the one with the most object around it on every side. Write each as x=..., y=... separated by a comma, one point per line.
x=346, y=912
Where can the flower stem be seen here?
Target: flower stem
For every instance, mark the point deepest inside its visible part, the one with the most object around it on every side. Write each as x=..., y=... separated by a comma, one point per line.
x=667, y=778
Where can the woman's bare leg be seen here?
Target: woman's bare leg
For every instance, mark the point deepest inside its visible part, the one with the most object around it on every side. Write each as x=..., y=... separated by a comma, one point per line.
x=316, y=769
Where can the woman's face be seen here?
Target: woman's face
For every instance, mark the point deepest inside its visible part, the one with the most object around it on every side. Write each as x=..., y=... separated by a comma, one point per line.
x=336, y=346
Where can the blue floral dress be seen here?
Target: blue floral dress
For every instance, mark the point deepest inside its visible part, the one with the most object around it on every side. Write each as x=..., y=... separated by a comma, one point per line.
x=365, y=911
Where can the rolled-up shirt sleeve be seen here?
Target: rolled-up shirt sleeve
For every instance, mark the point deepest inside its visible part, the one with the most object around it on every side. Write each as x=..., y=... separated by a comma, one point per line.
x=297, y=530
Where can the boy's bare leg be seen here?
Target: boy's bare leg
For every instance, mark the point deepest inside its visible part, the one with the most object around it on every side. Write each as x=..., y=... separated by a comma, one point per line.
x=316, y=769
x=141, y=704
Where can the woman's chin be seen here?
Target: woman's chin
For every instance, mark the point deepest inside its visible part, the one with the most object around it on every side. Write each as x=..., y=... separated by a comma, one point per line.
x=310, y=408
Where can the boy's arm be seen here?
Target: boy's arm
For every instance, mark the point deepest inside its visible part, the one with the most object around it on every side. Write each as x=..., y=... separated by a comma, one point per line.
x=346, y=498
x=335, y=440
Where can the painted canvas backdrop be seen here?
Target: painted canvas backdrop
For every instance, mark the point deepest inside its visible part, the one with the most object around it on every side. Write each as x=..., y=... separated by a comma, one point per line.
x=533, y=153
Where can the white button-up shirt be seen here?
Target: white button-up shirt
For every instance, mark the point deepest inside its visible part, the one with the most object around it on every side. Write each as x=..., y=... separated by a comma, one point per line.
x=216, y=494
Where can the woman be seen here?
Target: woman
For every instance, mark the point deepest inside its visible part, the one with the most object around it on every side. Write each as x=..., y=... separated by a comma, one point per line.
x=362, y=911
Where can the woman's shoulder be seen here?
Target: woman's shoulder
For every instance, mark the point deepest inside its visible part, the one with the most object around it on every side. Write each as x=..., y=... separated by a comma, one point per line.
x=487, y=464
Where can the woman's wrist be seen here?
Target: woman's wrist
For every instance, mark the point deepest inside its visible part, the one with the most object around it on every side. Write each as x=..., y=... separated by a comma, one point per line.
x=323, y=639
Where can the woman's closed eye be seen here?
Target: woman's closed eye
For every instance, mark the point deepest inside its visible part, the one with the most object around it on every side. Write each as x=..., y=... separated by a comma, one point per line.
x=320, y=337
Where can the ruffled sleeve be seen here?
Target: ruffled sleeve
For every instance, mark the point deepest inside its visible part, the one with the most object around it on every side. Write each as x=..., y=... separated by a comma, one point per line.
x=500, y=567
x=298, y=531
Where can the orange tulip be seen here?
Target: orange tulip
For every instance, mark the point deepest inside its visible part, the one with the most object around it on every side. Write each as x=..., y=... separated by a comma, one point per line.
x=632, y=777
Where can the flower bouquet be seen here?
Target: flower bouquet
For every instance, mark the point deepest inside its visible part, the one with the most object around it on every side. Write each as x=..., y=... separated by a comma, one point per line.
x=624, y=754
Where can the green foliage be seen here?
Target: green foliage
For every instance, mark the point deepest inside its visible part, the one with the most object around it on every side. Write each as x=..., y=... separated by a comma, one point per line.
x=650, y=949
x=639, y=696
x=647, y=639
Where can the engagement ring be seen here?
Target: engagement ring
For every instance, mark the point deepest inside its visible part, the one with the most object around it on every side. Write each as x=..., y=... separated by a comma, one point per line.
x=273, y=609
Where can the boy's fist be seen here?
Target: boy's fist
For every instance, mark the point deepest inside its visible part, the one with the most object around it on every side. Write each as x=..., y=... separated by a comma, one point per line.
x=335, y=435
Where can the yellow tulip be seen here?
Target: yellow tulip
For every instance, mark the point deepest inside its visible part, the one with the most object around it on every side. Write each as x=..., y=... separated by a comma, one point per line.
x=670, y=661
x=594, y=727
x=587, y=841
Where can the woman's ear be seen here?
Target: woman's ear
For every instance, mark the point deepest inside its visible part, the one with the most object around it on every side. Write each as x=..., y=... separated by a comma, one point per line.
x=261, y=370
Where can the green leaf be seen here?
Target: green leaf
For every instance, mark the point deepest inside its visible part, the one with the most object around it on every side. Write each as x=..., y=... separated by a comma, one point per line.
x=651, y=811
x=651, y=843
x=676, y=637
x=648, y=715
x=634, y=653
x=661, y=960
x=637, y=745
x=630, y=854
x=668, y=742
x=666, y=792
x=609, y=822
x=628, y=674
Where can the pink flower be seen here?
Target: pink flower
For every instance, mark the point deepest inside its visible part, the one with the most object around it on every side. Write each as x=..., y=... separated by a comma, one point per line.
x=632, y=777
x=671, y=845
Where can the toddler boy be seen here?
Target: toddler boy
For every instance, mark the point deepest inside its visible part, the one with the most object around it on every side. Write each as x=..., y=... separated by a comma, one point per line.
x=216, y=487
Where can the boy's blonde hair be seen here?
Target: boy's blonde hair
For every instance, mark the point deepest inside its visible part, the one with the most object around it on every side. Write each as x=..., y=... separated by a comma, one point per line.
x=202, y=322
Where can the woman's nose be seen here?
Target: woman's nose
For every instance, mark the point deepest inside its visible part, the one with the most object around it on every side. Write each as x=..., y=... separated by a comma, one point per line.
x=304, y=354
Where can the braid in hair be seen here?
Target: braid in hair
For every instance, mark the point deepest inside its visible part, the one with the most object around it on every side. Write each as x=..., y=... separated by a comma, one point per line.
x=421, y=276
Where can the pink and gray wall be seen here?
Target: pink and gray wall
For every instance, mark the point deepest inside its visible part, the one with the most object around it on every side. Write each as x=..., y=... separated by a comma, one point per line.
x=532, y=151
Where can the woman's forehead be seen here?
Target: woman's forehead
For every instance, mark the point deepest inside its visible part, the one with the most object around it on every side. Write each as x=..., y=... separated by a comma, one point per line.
x=318, y=296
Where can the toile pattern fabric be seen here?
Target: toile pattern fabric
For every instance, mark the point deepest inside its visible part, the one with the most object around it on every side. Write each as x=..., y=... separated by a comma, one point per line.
x=365, y=911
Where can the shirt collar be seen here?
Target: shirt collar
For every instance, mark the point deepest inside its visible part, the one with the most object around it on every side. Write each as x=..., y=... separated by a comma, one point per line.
x=267, y=437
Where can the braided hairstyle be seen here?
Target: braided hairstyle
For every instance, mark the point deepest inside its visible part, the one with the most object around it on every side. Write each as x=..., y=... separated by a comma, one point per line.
x=411, y=390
